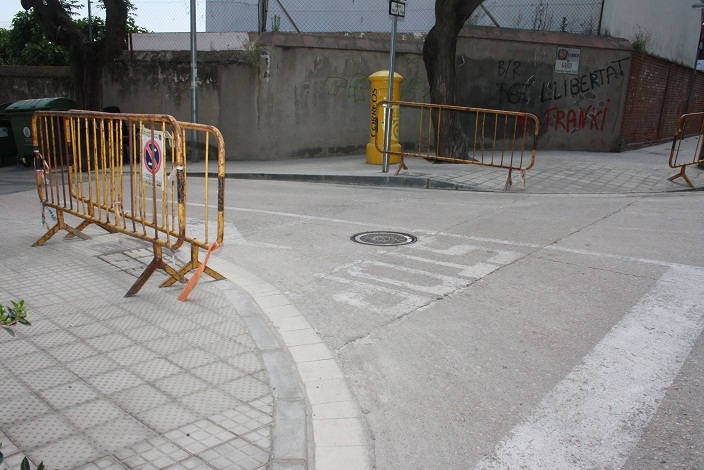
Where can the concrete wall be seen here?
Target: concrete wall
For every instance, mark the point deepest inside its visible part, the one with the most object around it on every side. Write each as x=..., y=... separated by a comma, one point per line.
x=308, y=95
x=182, y=42
x=23, y=83
x=579, y=103
x=291, y=96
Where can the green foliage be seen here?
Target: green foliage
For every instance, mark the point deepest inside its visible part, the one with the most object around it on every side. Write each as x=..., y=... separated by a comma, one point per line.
x=254, y=51
x=25, y=44
x=12, y=315
x=276, y=23
x=641, y=40
x=25, y=462
x=25, y=465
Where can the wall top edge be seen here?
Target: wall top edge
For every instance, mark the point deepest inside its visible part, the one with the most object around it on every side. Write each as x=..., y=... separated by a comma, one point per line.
x=35, y=71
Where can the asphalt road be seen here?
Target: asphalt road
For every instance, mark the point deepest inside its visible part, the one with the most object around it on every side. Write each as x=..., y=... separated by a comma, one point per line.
x=15, y=179
x=518, y=331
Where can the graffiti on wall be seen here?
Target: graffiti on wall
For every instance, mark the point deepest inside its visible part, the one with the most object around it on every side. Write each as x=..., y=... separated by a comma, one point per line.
x=355, y=88
x=514, y=89
x=518, y=87
x=577, y=118
x=575, y=86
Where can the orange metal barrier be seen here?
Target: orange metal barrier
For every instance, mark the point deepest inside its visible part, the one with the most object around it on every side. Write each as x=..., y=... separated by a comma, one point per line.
x=125, y=173
x=500, y=139
x=689, y=124
x=212, y=143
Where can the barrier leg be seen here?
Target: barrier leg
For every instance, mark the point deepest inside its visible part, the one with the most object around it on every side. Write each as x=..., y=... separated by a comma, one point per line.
x=85, y=224
x=509, y=181
x=60, y=225
x=190, y=266
x=79, y=228
x=48, y=235
x=156, y=263
x=682, y=175
x=401, y=166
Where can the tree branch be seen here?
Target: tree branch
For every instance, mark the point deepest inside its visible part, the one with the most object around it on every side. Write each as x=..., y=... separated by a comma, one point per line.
x=57, y=25
x=116, y=14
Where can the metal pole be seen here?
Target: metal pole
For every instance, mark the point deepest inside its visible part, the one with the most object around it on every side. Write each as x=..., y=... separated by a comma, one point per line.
x=388, y=113
x=491, y=17
x=283, y=8
x=90, y=24
x=194, y=81
x=700, y=44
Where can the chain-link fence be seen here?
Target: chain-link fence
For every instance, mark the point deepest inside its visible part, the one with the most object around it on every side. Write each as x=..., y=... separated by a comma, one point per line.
x=361, y=16
x=570, y=16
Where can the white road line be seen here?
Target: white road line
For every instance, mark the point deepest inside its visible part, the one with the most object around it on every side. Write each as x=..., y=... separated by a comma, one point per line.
x=596, y=415
x=497, y=241
x=365, y=295
x=195, y=228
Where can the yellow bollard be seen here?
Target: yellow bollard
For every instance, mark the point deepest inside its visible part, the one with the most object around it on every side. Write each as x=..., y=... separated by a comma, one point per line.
x=379, y=91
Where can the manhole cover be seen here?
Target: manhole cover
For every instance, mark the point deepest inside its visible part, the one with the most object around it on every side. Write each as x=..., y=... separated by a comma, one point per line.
x=383, y=238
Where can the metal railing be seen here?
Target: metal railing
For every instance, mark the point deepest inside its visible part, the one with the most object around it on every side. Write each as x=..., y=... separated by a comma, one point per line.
x=125, y=173
x=492, y=138
x=206, y=238
x=683, y=155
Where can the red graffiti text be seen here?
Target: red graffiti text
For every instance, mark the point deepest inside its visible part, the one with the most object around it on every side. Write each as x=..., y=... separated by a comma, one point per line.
x=573, y=120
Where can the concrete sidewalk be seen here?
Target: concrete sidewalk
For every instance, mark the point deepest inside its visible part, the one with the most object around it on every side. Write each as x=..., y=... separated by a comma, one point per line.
x=554, y=172
x=233, y=378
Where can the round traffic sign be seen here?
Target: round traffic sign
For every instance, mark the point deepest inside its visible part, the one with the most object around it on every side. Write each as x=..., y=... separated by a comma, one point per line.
x=152, y=156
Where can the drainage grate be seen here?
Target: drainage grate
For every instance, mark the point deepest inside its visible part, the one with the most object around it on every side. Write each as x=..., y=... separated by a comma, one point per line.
x=383, y=238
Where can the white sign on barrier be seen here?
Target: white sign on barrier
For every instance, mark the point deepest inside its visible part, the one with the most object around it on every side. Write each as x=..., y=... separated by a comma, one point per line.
x=153, y=157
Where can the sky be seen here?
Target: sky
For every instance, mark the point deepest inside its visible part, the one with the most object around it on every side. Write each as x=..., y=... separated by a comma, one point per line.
x=174, y=15
x=154, y=15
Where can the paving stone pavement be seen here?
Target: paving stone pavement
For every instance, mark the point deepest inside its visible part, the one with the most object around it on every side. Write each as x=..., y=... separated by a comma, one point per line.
x=100, y=381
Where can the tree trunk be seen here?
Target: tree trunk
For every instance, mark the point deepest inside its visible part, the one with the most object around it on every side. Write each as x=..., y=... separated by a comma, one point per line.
x=86, y=71
x=439, y=51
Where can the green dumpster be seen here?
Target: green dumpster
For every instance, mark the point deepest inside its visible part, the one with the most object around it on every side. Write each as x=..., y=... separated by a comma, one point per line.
x=20, y=116
x=8, y=149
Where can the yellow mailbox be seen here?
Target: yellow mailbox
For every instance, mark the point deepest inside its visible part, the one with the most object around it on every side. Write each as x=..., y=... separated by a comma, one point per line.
x=379, y=92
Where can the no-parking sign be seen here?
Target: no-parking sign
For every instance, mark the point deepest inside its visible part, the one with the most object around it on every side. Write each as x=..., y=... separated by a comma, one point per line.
x=153, y=157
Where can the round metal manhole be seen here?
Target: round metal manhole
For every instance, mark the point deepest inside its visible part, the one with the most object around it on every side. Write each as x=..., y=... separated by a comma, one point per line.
x=383, y=238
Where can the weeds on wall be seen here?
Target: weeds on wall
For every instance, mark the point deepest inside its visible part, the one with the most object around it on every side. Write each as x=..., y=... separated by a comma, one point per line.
x=641, y=40
x=254, y=50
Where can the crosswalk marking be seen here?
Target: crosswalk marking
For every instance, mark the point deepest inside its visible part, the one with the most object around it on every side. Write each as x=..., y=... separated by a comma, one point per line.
x=469, y=263
x=595, y=416
x=362, y=295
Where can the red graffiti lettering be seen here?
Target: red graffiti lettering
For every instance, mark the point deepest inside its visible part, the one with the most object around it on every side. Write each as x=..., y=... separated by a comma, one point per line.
x=576, y=119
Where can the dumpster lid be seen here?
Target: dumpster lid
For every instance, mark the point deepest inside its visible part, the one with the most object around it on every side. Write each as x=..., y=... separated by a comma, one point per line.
x=58, y=104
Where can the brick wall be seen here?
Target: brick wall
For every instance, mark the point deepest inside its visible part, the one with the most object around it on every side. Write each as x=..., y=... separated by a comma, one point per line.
x=656, y=98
